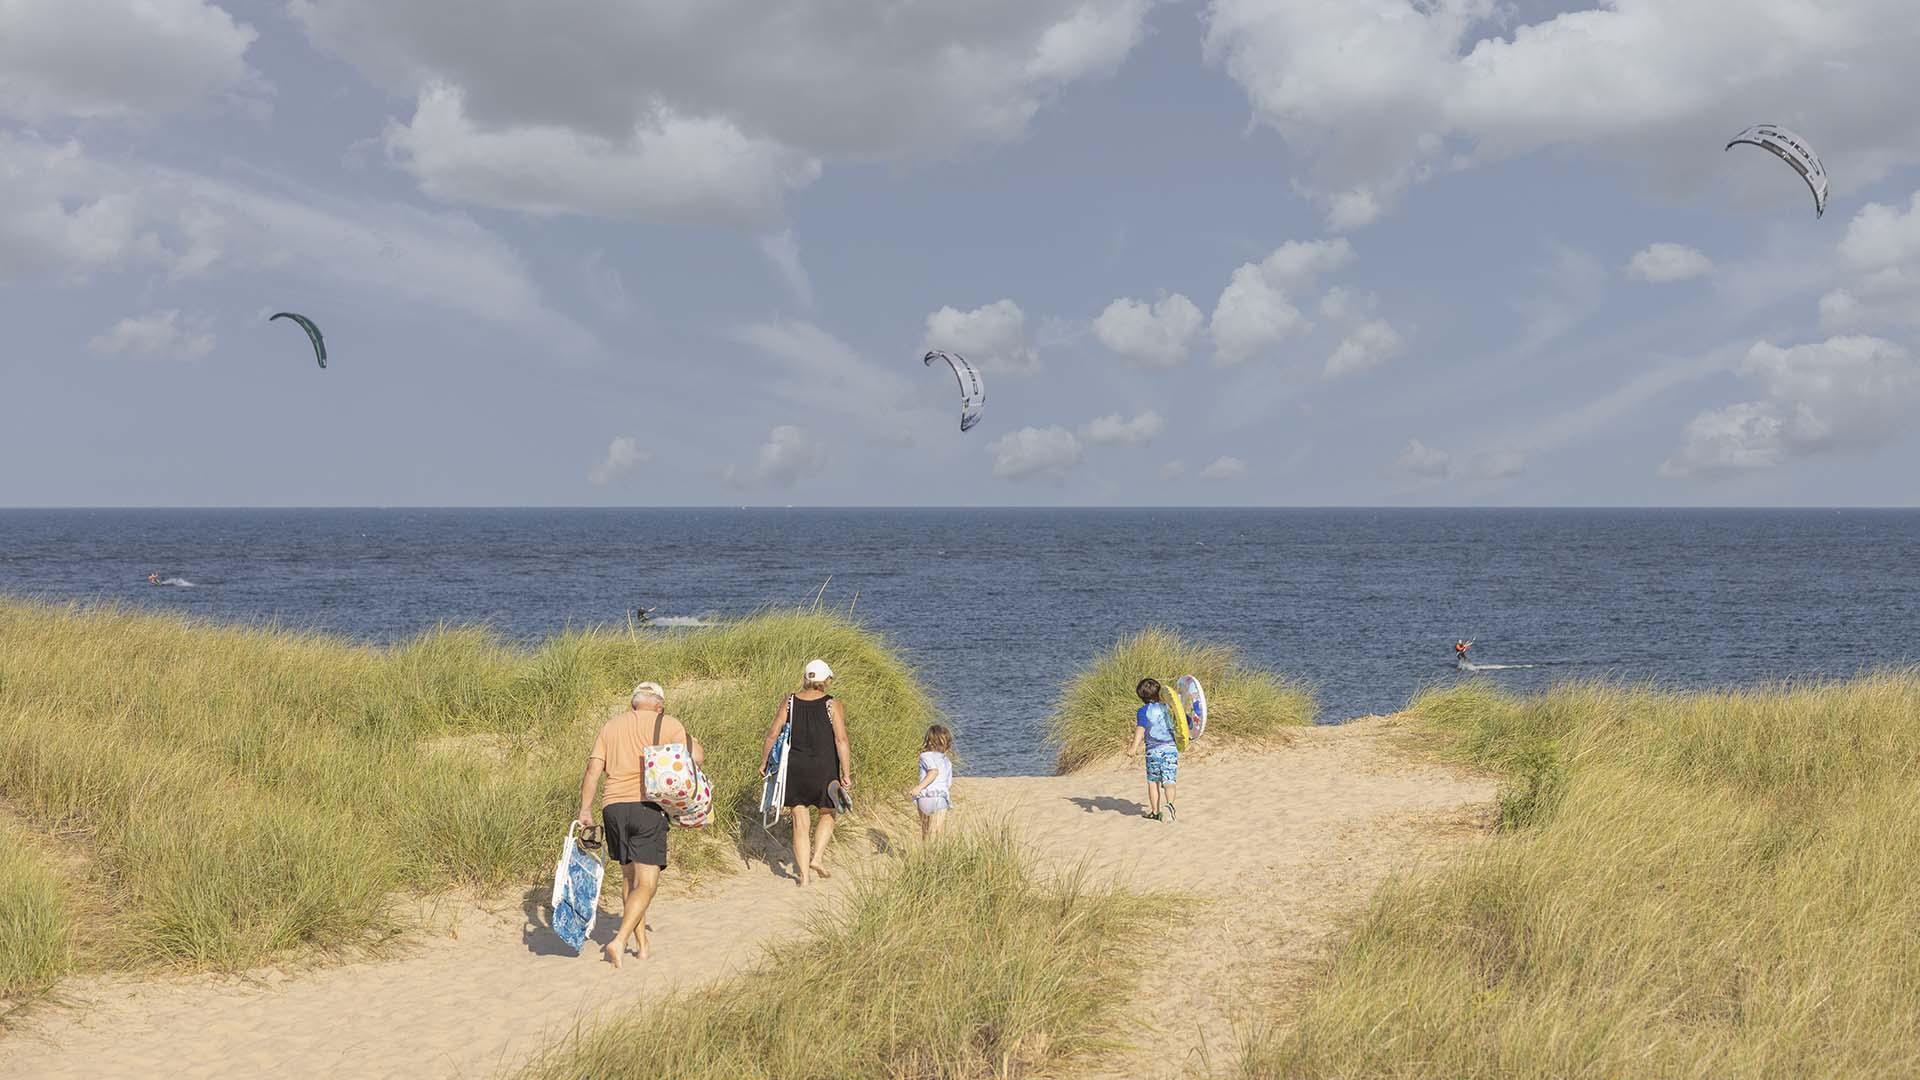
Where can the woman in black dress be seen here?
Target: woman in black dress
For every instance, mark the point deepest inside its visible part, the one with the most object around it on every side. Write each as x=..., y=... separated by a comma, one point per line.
x=816, y=757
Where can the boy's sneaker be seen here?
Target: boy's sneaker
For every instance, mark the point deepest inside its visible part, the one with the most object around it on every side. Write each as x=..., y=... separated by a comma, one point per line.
x=1168, y=812
x=1156, y=816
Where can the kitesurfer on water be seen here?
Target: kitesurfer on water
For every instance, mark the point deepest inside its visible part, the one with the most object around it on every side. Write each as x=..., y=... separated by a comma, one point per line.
x=1460, y=652
x=153, y=579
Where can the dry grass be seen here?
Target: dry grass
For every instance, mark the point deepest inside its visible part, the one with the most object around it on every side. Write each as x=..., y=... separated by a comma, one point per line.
x=1705, y=884
x=259, y=790
x=1094, y=716
x=964, y=961
x=36, y=928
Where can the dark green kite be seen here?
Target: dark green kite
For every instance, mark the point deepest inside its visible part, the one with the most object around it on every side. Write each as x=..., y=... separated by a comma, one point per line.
x=313, y=334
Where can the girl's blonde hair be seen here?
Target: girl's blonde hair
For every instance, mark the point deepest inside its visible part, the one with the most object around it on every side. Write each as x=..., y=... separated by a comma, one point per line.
x=938, y=738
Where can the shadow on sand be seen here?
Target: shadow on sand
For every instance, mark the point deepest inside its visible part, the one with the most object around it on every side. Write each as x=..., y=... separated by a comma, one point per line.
x=537, y=932
x=1109, y=804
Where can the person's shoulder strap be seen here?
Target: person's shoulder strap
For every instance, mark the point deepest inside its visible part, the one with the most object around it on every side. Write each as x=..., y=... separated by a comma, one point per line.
x=659, y=718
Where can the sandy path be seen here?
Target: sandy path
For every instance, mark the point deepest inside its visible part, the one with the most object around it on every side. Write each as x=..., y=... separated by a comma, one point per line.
x=1277, y=846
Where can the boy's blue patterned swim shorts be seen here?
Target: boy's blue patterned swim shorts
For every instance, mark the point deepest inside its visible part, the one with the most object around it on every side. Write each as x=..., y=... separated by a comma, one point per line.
x=1163, y=764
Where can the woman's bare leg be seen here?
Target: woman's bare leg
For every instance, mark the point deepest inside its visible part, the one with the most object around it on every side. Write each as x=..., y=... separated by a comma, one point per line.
x=821, y=837
x=801, y=849
x=926, y=826
x=938, y=821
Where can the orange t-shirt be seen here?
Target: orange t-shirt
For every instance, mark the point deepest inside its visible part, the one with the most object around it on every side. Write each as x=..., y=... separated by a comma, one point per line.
x=621, y=744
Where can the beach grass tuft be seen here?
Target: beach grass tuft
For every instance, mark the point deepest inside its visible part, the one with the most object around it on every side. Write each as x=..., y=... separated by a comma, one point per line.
x=1689, y=884
x=258, y=790
x=1093, y=719
x=963, y=960
x=36, y=922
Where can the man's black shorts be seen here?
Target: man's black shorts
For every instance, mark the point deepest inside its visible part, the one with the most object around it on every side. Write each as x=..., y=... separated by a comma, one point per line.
x=636, y=832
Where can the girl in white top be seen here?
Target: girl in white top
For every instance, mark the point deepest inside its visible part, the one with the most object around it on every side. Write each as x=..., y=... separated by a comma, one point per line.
x=934, y=795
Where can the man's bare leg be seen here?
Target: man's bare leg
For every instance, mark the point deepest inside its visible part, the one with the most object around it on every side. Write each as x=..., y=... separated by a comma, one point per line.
x=634, y=909
x=801, y=848
x=820, y=839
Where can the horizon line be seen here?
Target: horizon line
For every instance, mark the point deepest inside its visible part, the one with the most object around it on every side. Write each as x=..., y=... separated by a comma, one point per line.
x=1375, y=508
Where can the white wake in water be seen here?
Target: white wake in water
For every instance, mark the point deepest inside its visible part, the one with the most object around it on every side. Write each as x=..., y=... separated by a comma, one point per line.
x=178, y=582
x=679, y=620
x=1493, y=667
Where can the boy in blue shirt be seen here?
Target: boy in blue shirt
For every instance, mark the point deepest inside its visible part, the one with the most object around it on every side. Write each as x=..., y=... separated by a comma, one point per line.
x=1153, y=732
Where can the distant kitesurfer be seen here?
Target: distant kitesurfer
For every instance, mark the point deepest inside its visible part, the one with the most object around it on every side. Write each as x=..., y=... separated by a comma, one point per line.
x=1460, y=652
x=153, y=579
x=643, y=615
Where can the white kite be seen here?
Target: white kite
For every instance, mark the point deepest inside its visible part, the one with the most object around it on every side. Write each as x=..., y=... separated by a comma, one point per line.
x=1793, y=150
x=973, y=394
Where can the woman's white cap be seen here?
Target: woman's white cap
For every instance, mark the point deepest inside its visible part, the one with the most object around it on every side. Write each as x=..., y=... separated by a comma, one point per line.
x=650, y=689
x=817, y=671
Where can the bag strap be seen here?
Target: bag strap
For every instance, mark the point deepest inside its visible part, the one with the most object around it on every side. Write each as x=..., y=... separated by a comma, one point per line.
x=658, y=718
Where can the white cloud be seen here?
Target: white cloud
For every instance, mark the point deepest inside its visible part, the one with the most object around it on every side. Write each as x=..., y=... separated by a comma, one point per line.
x=788, y=455
x=623, y=454
x=688, y=94
x=1224, y=468
x=1377, y=95
x=992, y=338
x=1880, y=255
x=1116, y=430
x=111, y=58
x=1369, y=345
x=1150, y=335
x=65, y=215
x=783, y=251
x=1356, y=209
x=1036, y=453
x=1423, y=461
x=667, y=167
x=1661, y=263
x=1880, y=236
x=158, y=333
x=1843, y=395
x=1256, y=310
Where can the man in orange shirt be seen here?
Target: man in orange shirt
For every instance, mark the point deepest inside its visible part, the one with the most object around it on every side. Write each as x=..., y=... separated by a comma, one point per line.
x=636, y=828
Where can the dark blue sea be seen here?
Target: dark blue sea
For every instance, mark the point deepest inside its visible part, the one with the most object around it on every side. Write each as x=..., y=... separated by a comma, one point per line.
x=1364, y=604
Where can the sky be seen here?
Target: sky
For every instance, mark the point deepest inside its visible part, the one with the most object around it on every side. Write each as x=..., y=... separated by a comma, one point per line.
x=1245, y=252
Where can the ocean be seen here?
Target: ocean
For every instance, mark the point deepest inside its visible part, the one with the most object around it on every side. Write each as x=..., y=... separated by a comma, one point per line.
x=996, y=608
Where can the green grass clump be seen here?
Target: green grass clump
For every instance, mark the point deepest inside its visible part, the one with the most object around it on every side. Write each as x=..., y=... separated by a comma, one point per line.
x=256, y=790
x=963, y=961
x=36, y=928
x=1727, y=884
x=1094, y=716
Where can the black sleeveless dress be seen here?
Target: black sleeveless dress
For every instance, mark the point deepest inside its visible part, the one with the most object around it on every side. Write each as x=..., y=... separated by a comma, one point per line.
x=812, y=760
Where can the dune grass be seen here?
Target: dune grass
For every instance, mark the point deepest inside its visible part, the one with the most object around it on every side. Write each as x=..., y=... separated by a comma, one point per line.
x=965, y=960
x=256, y=790
x=1094, y=717
x=36, y=929
x=1702, y=884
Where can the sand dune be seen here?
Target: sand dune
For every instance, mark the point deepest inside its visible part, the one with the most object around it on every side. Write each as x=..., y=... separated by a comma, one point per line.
x=1275, y=848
